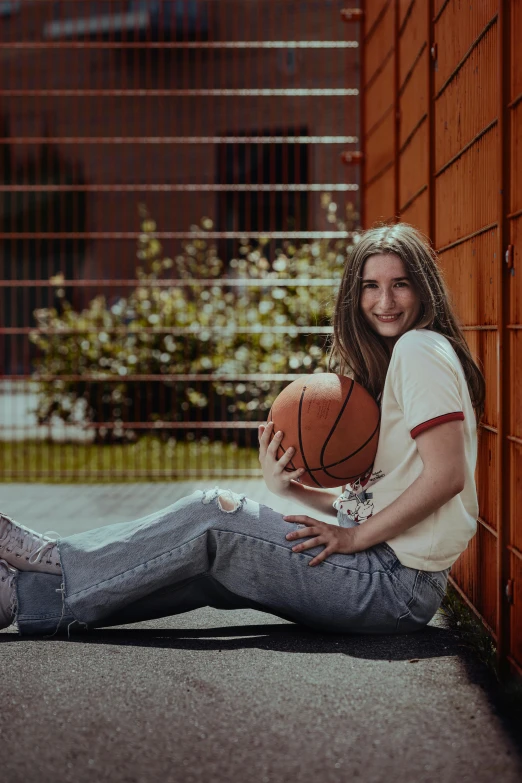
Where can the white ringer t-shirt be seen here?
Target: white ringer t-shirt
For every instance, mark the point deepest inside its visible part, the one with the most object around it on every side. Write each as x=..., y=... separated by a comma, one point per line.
x=425, y=386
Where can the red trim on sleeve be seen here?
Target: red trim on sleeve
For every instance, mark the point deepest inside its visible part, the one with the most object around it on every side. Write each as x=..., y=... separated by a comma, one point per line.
x=458, y=416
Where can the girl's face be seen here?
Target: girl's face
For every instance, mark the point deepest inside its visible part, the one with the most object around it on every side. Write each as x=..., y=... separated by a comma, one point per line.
x=388, y=302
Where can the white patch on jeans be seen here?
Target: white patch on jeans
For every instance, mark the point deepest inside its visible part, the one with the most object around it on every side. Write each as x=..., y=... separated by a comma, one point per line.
x=228, y=502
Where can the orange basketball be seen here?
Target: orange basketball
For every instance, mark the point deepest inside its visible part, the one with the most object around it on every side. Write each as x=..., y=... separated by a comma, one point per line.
x=333, y=424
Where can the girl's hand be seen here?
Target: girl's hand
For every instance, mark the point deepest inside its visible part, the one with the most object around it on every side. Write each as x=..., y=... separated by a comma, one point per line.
x=334, y=539
x=276, y=478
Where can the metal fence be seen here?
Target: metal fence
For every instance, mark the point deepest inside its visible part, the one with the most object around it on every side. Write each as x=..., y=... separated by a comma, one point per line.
x=174, y=212
x=442, y=125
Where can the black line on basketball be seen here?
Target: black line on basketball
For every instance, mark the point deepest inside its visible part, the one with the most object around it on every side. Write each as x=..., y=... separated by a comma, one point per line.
x=303, y=455
x=332, y=430
x=334, y=464
x=347, y=479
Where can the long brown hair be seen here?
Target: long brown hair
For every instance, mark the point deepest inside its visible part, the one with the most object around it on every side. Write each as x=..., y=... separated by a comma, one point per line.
x=357, y=350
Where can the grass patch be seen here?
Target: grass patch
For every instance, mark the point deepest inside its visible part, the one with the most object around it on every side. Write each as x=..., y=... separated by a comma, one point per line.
x=148, y=459
x=473, y=633
x=477, y=639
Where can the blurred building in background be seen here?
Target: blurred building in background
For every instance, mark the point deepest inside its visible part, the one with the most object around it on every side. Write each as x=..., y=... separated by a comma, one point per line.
x=233, y=110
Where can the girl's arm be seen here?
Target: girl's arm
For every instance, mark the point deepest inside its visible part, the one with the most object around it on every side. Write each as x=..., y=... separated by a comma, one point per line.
x=441, y=449
x=319, y=499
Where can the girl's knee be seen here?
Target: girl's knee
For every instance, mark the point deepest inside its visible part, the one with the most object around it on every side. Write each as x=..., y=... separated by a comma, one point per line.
x=229, y=502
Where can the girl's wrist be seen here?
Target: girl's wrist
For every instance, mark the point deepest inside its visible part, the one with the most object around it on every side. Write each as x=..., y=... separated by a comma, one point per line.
x=361, y=540
x=318, y=499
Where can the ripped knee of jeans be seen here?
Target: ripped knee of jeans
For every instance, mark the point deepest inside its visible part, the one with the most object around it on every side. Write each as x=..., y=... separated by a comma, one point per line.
x=228, y=502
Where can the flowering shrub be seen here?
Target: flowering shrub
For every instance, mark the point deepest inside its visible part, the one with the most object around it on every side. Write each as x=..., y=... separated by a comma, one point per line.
x=173, y=324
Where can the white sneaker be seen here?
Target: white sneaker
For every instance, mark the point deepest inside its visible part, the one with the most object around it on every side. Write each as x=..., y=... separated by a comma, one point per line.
x=26, y=549
x=7, y=595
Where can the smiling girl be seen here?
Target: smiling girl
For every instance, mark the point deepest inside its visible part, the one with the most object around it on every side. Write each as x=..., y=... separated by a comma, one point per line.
x=383, y=570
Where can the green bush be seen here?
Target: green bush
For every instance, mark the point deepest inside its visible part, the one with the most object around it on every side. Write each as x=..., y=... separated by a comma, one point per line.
x=173, y=324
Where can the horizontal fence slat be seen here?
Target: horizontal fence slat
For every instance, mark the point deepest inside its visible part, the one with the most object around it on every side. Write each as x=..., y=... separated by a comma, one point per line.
x=179, y=235
x=319, y=92
x=176, y=330
x=5, y=385
x=182, y=188
x=166, y=45
x=89, y=473
x=171, y=140
x=222, y=282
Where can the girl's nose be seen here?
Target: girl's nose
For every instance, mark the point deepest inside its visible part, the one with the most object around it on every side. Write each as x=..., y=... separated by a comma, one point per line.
x=387, y=298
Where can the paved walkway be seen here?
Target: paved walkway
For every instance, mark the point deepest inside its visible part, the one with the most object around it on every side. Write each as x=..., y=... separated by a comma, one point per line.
x=226, y=697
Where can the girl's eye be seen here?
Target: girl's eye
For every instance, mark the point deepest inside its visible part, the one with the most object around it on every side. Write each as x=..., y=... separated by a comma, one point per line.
x=373, y=285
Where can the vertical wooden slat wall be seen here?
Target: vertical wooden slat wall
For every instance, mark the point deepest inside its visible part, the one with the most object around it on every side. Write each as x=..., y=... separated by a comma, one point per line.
x=513, y=319
x=442, y=111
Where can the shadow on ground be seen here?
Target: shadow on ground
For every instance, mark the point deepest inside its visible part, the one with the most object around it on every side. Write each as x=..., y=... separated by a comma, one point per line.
x=430, y=643
x=276, y=637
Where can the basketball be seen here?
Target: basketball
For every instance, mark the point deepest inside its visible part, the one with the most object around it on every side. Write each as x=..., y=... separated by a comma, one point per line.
x=333, y=424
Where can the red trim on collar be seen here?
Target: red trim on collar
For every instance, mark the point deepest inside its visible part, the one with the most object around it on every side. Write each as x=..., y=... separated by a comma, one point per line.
x=458, y=416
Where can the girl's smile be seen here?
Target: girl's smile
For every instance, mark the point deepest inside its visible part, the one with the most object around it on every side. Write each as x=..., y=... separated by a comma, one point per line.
x=388, y=301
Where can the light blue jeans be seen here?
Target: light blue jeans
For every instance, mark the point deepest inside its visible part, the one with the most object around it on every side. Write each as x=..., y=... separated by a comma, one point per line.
x=195, y=553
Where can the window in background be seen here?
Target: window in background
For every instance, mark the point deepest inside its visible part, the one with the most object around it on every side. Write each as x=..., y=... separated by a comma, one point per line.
x=137, y=19
x=274, y=164
x=8, y=9
x=36, y=212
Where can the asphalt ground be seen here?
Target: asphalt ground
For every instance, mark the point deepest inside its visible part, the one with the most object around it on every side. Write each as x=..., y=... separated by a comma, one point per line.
x=241, y=695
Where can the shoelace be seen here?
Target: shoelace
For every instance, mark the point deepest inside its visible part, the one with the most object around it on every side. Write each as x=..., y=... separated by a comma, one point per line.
x=38, y=555
x=24, y=539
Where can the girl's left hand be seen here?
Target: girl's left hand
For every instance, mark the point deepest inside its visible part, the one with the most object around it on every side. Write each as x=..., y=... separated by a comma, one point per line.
x=334, y=539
